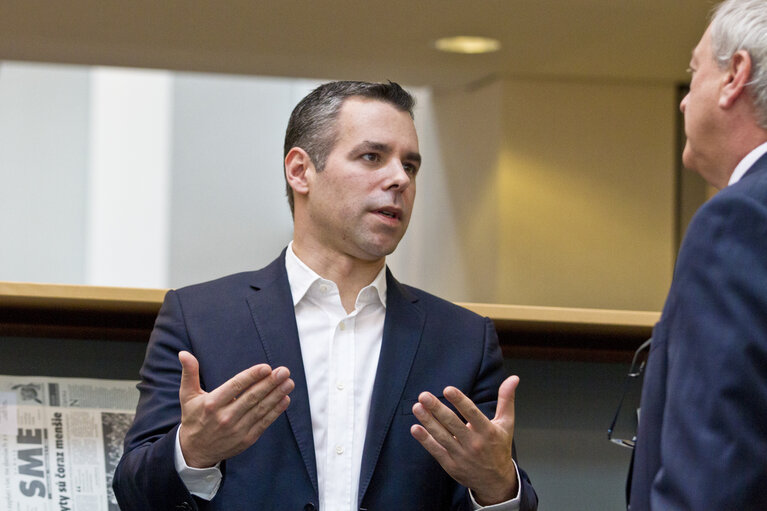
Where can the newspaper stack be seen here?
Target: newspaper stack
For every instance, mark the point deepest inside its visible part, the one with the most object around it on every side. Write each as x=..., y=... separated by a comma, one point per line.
x=60, y=441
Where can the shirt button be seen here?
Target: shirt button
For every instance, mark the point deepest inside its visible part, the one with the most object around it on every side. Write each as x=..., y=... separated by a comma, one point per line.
x=340, y=386
x=342, y=326
x=339, y=449
x=323, y=288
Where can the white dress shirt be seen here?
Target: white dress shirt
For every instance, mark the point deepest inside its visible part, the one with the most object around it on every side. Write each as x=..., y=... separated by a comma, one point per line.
x=340, y=353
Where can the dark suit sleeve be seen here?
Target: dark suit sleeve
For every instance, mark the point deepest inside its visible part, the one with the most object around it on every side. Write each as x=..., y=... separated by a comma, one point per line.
x=713, y=447
x=146, y=477
x=485, y=395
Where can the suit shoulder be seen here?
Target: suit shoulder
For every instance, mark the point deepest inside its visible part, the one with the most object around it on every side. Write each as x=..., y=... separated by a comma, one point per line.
x=743, y=204
x=234, y=286
x=217, y=294
x=222, y=292
x=227, y=282
x=436, y=305
x=751, y=187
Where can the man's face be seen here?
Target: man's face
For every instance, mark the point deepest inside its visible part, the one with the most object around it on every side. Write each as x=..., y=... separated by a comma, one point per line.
x=360, y=203
x=701, y=112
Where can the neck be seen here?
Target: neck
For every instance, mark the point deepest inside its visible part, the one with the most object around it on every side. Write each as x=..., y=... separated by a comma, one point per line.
x=739, y=135
x=350, y=274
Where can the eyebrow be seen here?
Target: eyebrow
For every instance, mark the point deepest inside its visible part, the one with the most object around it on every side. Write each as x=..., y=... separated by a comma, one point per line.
x=380, y=147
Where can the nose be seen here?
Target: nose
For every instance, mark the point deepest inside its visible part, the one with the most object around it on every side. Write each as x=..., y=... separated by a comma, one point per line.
x=399, y=178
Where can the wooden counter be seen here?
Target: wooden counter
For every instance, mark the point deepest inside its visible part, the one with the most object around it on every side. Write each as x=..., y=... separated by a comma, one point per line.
x=113, y=313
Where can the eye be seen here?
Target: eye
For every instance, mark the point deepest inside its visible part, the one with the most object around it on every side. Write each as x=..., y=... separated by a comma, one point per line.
x=371, y=157
x=410, y=168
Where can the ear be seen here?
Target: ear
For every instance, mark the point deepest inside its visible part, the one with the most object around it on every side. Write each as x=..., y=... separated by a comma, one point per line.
x=297, y=165
x=735, y=79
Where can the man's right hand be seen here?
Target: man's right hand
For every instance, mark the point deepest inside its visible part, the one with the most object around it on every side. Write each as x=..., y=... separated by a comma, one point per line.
x=222, y=423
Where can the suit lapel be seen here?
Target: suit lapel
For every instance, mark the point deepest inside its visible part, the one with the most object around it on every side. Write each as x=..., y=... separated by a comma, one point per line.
x=271, y=305
x=401, y=336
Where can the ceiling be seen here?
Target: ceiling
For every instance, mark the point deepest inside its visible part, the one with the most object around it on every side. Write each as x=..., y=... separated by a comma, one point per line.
x=626, y=40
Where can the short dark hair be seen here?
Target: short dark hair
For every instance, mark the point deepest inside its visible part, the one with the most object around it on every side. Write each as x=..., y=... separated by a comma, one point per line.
x=312, y=125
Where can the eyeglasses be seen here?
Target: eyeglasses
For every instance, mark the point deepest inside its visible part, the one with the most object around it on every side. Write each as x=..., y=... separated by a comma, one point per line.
x=632, y=383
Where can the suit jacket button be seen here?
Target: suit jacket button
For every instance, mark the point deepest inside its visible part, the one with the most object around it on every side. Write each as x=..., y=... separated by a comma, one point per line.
x=309, y=507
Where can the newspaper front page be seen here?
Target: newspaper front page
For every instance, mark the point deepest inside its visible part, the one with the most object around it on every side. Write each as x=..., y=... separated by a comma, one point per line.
x=60, y=441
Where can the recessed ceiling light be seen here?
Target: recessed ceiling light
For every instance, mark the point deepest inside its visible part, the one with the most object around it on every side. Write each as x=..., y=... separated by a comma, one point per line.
x=467, y=44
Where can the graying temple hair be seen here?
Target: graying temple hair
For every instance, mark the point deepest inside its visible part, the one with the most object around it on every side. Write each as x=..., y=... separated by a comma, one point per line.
x=312, y=125
x=742, y=25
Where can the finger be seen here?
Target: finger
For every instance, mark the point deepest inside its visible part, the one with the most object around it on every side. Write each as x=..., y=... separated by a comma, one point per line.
x=239, y=383
x=259, y=398
x=438, y=420
x=259, y=426
x=466, y=407
x=445, y=415
x=428, y=442
x=190, y=376
x=262, y=398
x=504, y=411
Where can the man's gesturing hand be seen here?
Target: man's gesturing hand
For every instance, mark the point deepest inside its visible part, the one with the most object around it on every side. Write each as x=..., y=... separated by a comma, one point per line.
x=219, y=424
x=476, y=454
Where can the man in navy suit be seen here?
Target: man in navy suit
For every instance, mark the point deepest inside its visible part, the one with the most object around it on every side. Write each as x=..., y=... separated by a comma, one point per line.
x=320, y=382
x=702, y=438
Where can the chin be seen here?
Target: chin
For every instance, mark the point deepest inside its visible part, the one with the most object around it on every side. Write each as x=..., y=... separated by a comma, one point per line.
x=379, y=244
x=380, y=252
x=688, y=161
x=377, y=251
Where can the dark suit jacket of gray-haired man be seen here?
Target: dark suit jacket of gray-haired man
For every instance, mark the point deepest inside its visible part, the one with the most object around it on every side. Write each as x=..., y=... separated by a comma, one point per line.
x=702, y=438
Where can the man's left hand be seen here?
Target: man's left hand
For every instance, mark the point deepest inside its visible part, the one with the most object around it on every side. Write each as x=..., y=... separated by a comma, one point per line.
x=476, y=454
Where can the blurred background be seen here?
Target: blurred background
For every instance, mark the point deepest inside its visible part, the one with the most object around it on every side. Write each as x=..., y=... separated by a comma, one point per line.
x=140, y=143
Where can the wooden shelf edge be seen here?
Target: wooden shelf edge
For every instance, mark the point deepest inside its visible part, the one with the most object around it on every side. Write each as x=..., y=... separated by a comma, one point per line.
x=93, y=312
x=77, y=297
x=564, y=315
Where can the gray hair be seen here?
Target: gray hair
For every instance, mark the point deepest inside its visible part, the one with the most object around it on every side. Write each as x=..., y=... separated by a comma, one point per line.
x=312, y=125
x=742, y=25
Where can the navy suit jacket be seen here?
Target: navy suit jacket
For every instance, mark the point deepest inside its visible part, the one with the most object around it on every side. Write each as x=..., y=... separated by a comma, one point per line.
x=235, y=322
x=702, y=439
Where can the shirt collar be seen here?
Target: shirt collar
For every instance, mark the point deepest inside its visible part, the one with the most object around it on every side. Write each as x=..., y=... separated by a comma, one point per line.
x=301, y=278
x=746, y=163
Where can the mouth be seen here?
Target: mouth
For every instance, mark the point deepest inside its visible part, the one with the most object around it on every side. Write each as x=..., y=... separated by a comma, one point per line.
x=391, y=213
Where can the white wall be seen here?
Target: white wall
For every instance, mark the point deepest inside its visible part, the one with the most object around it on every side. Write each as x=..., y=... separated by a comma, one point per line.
x=43, y=176
x=128, y=178
x=229, y=211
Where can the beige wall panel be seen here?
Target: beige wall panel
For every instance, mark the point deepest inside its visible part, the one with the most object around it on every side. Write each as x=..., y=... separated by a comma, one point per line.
x=468, y=127
x=584, y=191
